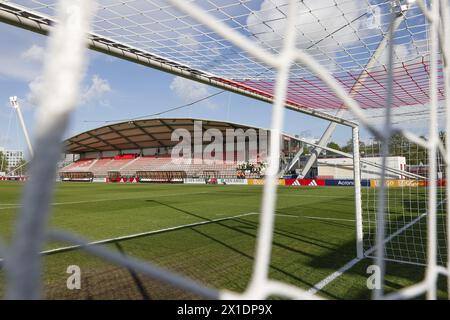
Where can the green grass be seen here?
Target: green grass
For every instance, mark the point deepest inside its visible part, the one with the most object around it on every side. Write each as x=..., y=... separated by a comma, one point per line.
x=219, y=254
x=406, y=205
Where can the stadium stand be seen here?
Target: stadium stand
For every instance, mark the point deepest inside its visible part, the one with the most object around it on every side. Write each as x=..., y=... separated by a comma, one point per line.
x=80, y=165
x=129, y=167
x=124, y=149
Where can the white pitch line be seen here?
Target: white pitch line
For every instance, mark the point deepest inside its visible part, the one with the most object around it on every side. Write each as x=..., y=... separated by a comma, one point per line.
x=406, y=226
x=325, y=218
x=396, y=233
x=319, y=286
x=141, y=234
x=286, y=215
x=315, y=218
x=299, y=195
x=322, y=284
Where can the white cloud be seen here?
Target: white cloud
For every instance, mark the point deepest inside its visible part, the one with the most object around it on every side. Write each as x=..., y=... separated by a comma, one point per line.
x=93, y=93
x=14, y=69
x=25, y=68
x=35, y=88
x=96, y=91
x=402, y=52
x=307, y=136
x=35, y=54
x=190, y=91
x=316, y=22
x=188, y=41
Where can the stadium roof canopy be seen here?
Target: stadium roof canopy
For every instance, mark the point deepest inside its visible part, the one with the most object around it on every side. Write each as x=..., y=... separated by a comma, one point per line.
x=140, y=134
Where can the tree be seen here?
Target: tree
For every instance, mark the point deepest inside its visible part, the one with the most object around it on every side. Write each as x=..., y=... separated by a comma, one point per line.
x=333, y=145
x=413, y=153
x=306, y=150
x=372, y=148
x=399, y=146
x=348, y=146
x=21, y=167
x=3, y=162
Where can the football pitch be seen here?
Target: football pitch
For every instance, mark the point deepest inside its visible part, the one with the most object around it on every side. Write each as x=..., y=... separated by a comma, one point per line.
x=205, y=232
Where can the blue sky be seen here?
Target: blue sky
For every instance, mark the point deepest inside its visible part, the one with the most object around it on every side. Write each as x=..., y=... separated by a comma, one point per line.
x=116, y=89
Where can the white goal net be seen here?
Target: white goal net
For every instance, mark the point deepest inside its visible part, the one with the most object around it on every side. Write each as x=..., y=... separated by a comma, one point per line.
x=337, y=60
x=406, y=207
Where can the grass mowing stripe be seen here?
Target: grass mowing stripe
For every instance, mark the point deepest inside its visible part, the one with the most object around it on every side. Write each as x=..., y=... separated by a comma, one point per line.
x=317, y=287
x=142, y=234
x=325, y=218
x=109, y=199
x=322, y=284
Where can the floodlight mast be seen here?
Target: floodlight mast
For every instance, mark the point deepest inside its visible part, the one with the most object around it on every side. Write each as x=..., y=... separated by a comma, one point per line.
x=15, y=105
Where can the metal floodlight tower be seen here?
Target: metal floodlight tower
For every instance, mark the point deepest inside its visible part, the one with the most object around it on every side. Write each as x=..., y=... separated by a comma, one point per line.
x=15, y=105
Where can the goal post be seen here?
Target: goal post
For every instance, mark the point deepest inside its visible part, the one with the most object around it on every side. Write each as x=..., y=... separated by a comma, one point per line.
x=353, y=173
x=358, y=200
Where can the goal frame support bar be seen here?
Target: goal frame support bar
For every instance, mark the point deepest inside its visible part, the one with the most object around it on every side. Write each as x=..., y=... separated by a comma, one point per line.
x=361, y=160
x=356, y=86
x=32, y=21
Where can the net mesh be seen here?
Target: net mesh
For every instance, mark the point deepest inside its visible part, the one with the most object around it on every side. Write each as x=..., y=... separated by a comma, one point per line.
x=285, y=47
x=342, y=35
x=407, y=197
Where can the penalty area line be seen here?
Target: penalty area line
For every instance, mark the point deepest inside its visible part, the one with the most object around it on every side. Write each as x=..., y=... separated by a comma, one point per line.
x=324, y=218
x=142, y=234
x=320, y=285
x=312, y=217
